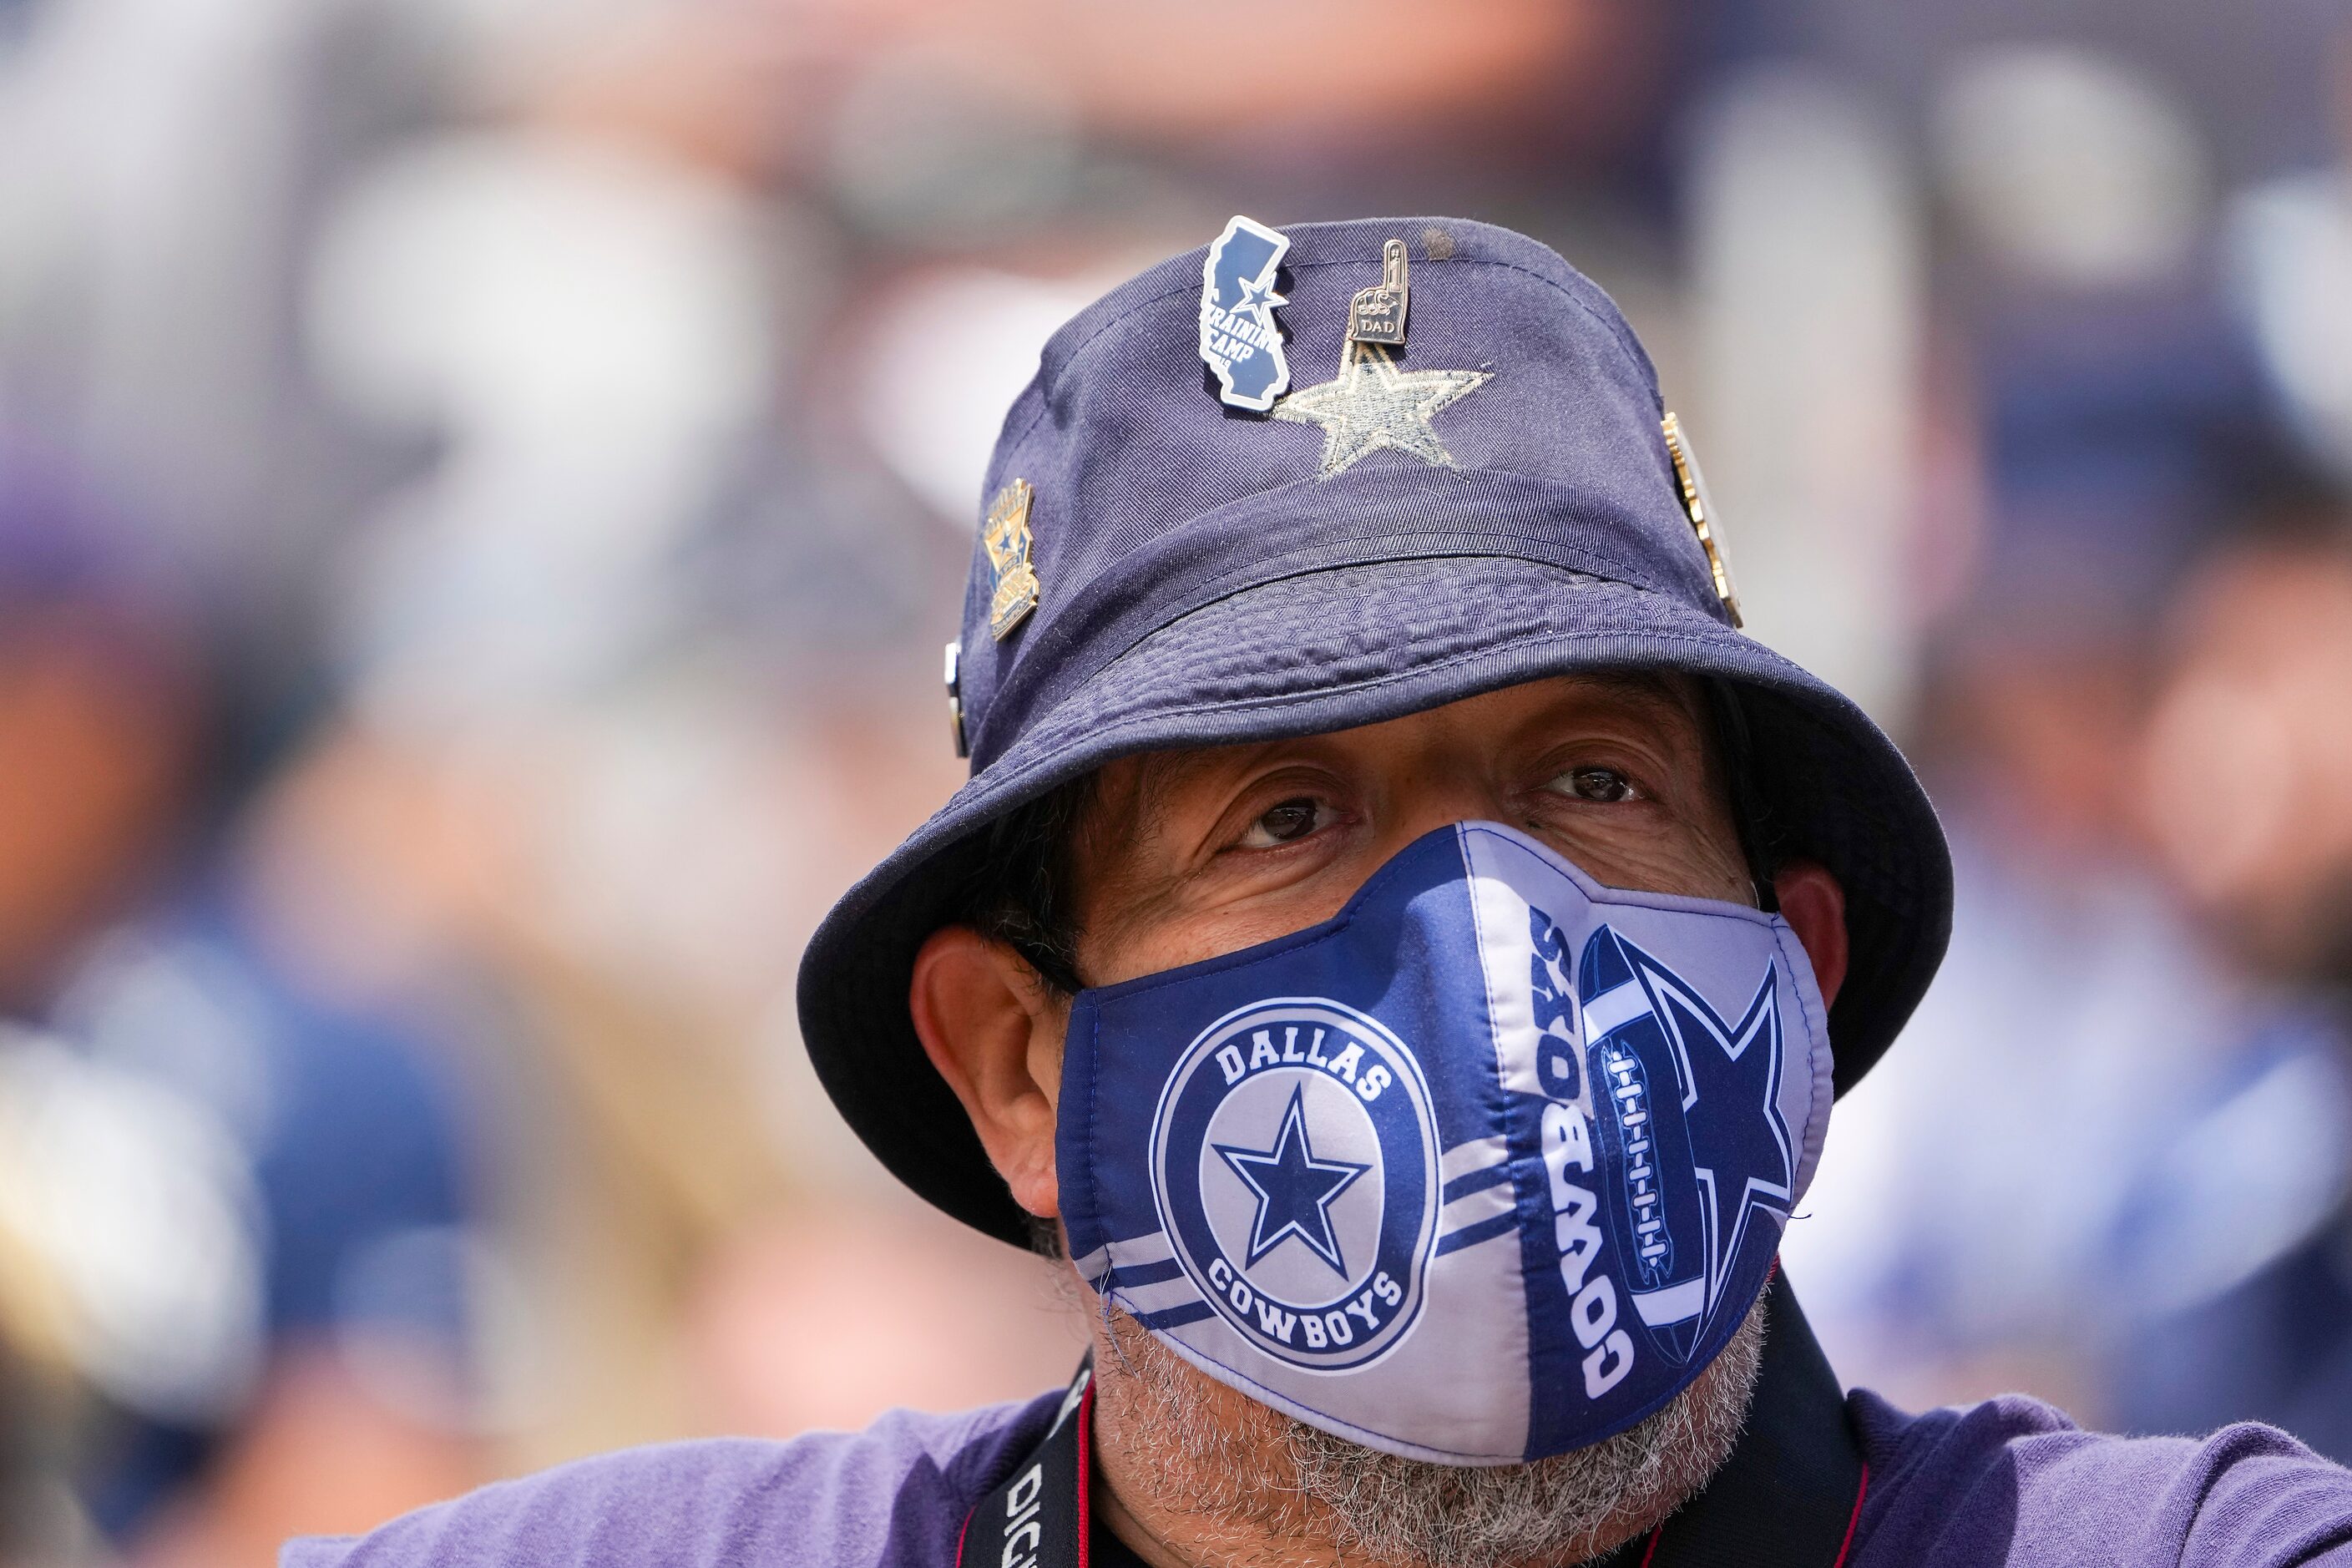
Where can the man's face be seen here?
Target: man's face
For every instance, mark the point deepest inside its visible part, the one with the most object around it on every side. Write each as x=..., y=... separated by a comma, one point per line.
x=1189, y=855
x=1185, y=856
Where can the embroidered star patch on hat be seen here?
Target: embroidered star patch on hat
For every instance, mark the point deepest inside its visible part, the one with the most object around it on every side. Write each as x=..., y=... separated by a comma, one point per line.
x=1371, y=404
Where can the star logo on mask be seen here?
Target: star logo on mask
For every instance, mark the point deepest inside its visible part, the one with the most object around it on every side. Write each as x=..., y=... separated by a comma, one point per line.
x=1294, y=1190
x=1372, y=405
x=1734, y=1072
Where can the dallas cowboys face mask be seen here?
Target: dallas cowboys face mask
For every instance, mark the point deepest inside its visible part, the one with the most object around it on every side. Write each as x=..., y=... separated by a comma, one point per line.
x=1489, y=1167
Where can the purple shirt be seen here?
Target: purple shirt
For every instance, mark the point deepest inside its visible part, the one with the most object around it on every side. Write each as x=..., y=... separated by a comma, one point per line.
x=2011, y=1482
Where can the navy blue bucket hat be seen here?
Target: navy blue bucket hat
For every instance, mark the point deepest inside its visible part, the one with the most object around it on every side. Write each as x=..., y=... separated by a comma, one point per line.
x=1201, y=531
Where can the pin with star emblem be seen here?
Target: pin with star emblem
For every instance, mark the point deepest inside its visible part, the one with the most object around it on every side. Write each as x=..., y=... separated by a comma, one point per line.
x=1239, y=339
x=1376, y=315
x=1700, y=508
x=1012, y=582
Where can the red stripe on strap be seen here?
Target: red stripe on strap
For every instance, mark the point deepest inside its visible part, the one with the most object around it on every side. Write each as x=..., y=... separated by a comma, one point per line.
x=1861, y=1492
x=1087, y=1476
x=1656, y=1536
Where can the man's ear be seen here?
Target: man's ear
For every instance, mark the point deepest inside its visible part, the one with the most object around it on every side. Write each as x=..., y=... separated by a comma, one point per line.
x=994, y=1031
x=1813, y=904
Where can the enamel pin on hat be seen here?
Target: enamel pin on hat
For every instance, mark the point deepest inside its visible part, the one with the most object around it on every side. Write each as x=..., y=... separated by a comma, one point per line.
x=1239, y=339
x=1376, y=315
x=1006, y=536
x=1700, y=508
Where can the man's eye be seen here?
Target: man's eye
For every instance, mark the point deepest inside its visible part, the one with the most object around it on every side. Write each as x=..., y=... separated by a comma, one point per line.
x=1286, y=823
x=1604, y=786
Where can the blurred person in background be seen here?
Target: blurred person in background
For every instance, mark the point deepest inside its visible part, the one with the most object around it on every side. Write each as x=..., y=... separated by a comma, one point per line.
x=244, y=1192
x=2246, y=779
x=2131, y=421
x=2104, y=415
x=2256, y=694
x=1979, y=1237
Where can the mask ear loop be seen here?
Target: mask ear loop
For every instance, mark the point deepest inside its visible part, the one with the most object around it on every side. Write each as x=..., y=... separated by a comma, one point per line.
x=1760, y=838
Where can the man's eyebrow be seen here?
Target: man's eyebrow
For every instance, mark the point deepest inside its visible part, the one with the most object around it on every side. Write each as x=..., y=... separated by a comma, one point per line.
x=1655, y=694
x=1161, y=778
x=1160, y=775
x=1642, y=685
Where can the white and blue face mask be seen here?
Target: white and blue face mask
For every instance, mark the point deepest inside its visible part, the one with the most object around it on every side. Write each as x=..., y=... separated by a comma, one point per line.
x=1489, y=1167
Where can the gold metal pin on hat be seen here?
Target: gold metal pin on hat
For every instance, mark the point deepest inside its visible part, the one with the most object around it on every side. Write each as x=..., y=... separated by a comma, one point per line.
x=955, y=700
x=1701, y=511
x=1013, y=592
x=1377, y=314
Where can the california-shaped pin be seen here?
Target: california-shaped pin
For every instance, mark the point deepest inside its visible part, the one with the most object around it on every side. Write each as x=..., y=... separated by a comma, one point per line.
x=1239, y=340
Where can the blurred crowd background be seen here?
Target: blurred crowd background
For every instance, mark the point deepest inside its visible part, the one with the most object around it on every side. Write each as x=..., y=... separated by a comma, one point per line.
x=484, y=485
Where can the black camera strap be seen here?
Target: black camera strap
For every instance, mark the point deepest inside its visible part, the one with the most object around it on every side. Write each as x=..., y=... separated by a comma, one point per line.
x=1038, y=1517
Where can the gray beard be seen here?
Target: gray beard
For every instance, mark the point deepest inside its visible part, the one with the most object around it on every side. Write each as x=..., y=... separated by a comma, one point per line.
x=1270, y=1477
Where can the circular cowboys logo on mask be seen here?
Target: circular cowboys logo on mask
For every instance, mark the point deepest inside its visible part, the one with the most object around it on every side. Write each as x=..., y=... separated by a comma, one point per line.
x=1294, y=1163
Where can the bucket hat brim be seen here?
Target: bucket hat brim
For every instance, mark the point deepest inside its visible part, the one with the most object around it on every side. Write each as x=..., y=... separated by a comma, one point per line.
x=1330, y=649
